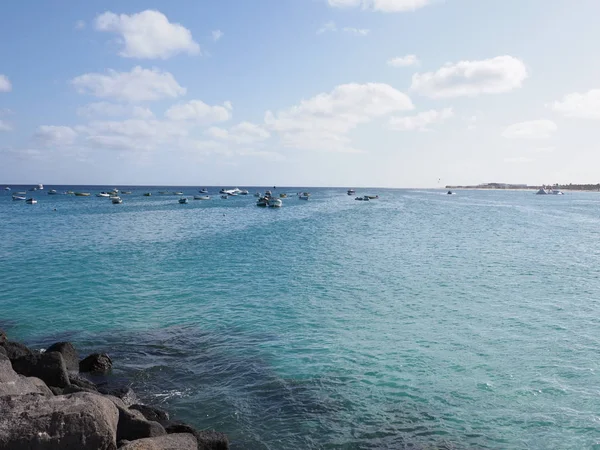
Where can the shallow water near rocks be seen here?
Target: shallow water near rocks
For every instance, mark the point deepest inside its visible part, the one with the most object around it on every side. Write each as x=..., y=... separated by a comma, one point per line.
x=420, y=320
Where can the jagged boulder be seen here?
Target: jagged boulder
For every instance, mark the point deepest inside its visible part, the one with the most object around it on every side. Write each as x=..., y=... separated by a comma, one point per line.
x=77, y=421
x=126, y=394
x=207, y=439
x=133, y=425
x=68, y=353
x=49, y=367
x=15, y=350
x=79, y=381
x=12, y=383
x=152, y=413
x=96, y=363
x=3, y=352
x=181, y=441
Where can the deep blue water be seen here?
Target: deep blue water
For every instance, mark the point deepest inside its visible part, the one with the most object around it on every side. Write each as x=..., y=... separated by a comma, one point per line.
x=419, y=320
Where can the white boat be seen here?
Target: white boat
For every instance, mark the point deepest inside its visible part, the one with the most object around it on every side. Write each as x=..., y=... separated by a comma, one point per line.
x=351, y=192
x=52, y=192
x=7, y=188
x=31, y=201
x=18, y=197
x=116, y=200
x=40, y=187
x=275, y=203
x=183, y=200
x=303, y=197
x=103, y=194
x=201, y=197
x=542, y=192
x=262, y=202
x=203, y=191
x=555, y=192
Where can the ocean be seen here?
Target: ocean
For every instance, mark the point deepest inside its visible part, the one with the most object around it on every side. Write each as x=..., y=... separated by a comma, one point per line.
x=418, y=320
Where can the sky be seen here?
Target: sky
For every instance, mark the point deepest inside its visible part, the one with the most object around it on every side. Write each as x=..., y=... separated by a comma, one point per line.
x=350, y=93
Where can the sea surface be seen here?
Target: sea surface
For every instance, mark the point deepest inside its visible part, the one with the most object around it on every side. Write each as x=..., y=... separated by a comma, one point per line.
x=419, y=320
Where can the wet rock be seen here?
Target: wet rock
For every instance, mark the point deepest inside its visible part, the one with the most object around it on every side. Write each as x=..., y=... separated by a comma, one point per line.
x=78, y=380
x=133, y=425
x=97, y=363
x=3, y=337
x=50, y=367
x=207, y=440
x=181, y=441
x=78, y=421
x=12, y=383
x=68, y=353
x=3, y=355
x=125, y=393
x=16, y=350
x=152, y=413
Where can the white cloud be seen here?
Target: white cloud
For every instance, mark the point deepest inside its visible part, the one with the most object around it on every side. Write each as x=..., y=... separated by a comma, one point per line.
x=381, y=5
x=242, y=133
x=148, y=34
x=135, y=86
x=404, y=61
x=581, y=106
x=420, y=121
x=518, y=160
x=470, y=78
x=5, y=85
x=79, y=25
x=321, y=122
x=533, y=129
x=5, y=126
x=114, y=110
x=216, y=35
x=329, y=26
x=200, y=112
x=55, y=135
x=356, y=31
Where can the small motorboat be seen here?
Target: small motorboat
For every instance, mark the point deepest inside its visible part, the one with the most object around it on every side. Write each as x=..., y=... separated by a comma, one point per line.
x=372, y=197
x=183, y=200
x=82, y=194
x=69, y=193
x=18, y=197
x=40, y=187
x=7, y=188
x=275, y=203
x=103, y=194
x=203, y=191
x=449, y=192
x=116, y=200
x=224, y=196
x=244, y=192
x=31, y=201
x=262, y=202
x=351, y=192
x=52, y=192
x=177, y=193
x=147, y=194
x=282, y=195
x=201, y=197
x=555, y=192
x=362, y=199
x=303, y=197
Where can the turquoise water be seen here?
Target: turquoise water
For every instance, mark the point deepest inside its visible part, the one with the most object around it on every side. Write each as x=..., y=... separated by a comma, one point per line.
x=420, y=320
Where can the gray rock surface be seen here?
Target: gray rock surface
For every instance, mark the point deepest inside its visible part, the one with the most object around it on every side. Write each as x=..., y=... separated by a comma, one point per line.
x=50, y=367
x=68, y=353
x=3, y=337
x=207, y=439
x=11, y=383
x=152, y=413
x=78, y=421
x=15, y=349
x=126, y=394
x=97, y=363
x=133, y=425
x=181, y=441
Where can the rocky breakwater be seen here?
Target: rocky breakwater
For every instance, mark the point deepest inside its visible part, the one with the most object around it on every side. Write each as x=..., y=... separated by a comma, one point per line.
x=48, y=401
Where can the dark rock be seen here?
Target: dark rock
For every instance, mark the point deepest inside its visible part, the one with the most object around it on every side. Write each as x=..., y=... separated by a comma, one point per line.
x=207, y=440
x=12, y=383
x=116, y=400
x=152, y=413
x=3, y=337
x=181, y=441
x=133, y=425
x=124, y=393
x=15, y=350
x=78, y=380
x=78, y=421
x=68, y=353
x=56, y=391
x=96, y=363
x=50, y=367
x=3, y=353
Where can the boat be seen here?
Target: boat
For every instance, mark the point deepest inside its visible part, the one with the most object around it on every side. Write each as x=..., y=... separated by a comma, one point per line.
x=275, y=203
x=52, y=192
x=351, y=192
x=244, y=192
x=177, y=193
x=257, y=194
x=31, y=201
x=542, y=191
x=282, y=195
x=203, y=191
x=7, y=188
x=224, y=196
x=103, y=194
x=183, y=200
x=33, y=189
x=262, y=202
x=362, y=199
x=555, y=192
x=82, y=194
x=116, y=200
x=303, y=197
x=18, y=197
x=201, y=197
x=69, y=193
x=372, y=197
x=147, y=194
x=40, y=187
x=268, y=194
x=125, y=192
x=449, y=192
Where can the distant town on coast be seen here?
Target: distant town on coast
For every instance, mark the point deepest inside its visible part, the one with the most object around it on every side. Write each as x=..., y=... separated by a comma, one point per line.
x=564, y=187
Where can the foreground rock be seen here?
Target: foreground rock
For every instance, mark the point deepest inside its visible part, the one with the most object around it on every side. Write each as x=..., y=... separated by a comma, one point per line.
x=15, y=350
x=207, y=440
x=77, y=421
x=152, y=413
x=68, y=352
x=49, y=367
x=2, y=337
x=97, y=363
x=182, y=441
x=12, y=383
x=133, y=425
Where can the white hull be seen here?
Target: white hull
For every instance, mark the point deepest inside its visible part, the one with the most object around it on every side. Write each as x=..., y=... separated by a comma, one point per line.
x=275, y=203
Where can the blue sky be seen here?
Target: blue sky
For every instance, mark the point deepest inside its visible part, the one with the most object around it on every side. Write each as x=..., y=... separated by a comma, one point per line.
x=394, y=93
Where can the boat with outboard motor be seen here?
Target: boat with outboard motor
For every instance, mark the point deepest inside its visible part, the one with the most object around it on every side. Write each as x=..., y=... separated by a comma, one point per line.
x=31, y=201
x=201, y=197
x=183, y=200
x=116, y=200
